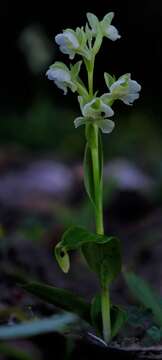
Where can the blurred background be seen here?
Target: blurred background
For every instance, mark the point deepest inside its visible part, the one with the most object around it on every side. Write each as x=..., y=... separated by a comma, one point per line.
x=41, y=179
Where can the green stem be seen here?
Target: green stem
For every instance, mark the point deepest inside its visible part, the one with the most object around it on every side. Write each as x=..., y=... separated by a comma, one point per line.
x=90, y=70
x=97, y=185
x=98, y=188
x=105, y=301
x=90, y=81
x=105, y=308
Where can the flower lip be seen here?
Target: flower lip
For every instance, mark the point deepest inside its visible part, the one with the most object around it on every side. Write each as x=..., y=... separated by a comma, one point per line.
x=112, y=33
x=106, y=109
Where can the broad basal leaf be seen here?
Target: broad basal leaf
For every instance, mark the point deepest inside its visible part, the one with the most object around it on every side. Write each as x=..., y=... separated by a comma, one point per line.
x=102, y=253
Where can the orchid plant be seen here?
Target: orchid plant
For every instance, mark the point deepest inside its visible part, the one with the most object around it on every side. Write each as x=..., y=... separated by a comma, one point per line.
x=101, y=252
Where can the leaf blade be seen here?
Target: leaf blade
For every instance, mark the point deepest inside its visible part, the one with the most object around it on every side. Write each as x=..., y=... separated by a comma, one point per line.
x=60, y=298
x=145, y=295
x=102, y=253
x=88, y=177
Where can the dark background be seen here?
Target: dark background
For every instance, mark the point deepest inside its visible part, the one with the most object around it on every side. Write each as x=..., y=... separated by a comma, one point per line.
x=138, y=51
x=30, y=106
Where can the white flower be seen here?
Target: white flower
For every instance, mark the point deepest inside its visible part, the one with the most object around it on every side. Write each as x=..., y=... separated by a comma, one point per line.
x=95, y=107
x=104, y=26
x=109, y=30
x=124, y=89
x=95, y=111
x=112, y=33
x=67, y=42
x=61, y=75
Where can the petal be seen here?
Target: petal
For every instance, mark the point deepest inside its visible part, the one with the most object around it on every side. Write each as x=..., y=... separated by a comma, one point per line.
x=106, y=109
x=93, y=21
x=129, y=99
x=88, y=110
x=133, y=86
x=79, y=121
x=107, y=20
x=72, y=39
x=61, y=75
x=49, y=74
x=106, y=126
x=106, y=98
x=60, y=39
x=64, y=49
x=112, y=33
x=72, y=86
x=116, y=84
x=61, y=86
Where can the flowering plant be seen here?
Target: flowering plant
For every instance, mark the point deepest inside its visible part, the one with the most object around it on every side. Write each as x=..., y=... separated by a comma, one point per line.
x=101, y=252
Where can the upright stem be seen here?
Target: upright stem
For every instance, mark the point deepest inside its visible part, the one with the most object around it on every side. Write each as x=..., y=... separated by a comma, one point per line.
x=105, y=300
x=90, y=71
x=105, y=308
x=97, y=185
x=98, y=188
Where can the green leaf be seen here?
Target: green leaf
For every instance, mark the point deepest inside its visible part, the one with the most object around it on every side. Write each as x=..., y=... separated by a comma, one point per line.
x=54, y=323
x=75, y=69
x=61, y=298
x=117, y=314
x=102, y=253
x=96, y=316
x=104, y=258
x=100, y=154
x=109, y=79
x=145, y=295
x=118, y=318
x=88, y=174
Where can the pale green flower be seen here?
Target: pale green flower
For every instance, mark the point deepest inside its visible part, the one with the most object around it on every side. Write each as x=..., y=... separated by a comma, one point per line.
x=60, y=74
x=104, y=26
x=109, y=30
x=124, y=89
x=95, y=111
x=66, y=78
x=73, y=42
x=67, y=42
x=94, y=108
